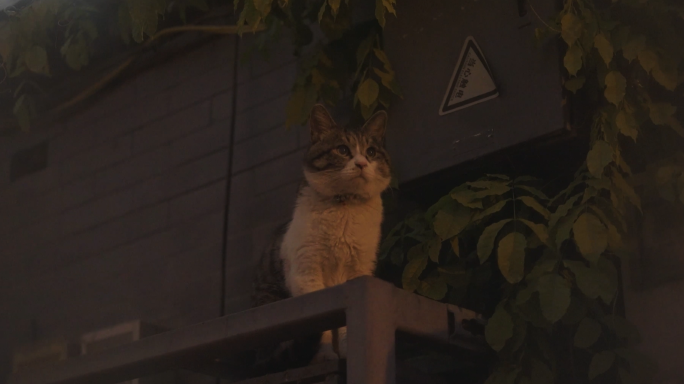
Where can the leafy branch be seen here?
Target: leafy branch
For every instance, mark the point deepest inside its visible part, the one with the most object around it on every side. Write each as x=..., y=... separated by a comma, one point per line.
x=553, y=261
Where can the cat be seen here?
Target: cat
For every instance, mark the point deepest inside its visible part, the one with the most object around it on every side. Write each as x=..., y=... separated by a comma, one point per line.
x=334, y=233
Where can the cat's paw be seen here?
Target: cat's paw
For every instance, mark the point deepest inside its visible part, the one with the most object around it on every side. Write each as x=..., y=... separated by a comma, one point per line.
x=325, y=353
x=343, y=348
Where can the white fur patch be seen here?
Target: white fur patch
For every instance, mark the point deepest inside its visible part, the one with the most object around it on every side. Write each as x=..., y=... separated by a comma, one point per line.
x=328, y=244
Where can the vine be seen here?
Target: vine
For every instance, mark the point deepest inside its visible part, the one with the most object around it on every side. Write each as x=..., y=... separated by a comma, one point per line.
x=65, y=35
x=554, y=261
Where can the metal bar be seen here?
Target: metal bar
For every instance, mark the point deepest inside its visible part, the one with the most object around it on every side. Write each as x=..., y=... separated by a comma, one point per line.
x=285, y=319
x=371, y=328
x=375, y=311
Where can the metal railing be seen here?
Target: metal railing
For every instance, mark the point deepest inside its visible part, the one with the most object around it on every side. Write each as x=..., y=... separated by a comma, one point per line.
x=374, y=311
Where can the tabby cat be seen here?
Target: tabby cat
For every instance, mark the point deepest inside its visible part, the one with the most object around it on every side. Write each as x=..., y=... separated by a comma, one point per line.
x=334, y=233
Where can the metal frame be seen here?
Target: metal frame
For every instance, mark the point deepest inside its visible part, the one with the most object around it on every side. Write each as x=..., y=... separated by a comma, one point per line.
x=373, y=311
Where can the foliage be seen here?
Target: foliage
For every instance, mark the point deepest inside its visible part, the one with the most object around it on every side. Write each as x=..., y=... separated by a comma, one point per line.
x=49, y=33
x=348, y=60
x=554, y=260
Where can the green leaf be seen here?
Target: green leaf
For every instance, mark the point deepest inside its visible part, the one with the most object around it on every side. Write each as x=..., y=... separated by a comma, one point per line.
x=666, y=74
x=600, y=363
x=450, y=224
x=626, y=189
x=594, y=282
x=571, y=28
x=487, y=184
x=599, y=157
x=491, y=210
x=144, y=17
x=22, y=112
x=633, y=47
x=368, y=92
x=627, y=125
x=661, y=113
x=564, y=227
x=433, y=247
x=563, y=210
x=485, y=244
x=546, y=264
x=410, y=277
x=573, y=59
x=604, y=46
x=499, y=328
x=648, y=60
x=539, y=229
x=534, y=204
x=433, y=288
x=533, y=191
x=124, y=23
x=334, y=5
x=497, y=189
x=466, y=197
x=364, y=49
x=388, y=80
x=389, y=4
x=587, y=334
x=455, y=246
x=575, y=84
x=511, y=259
x=554, y=296
x=36, y=60
x=616, y=86
x=591, y=236
x=380, y=12
x=321, y=11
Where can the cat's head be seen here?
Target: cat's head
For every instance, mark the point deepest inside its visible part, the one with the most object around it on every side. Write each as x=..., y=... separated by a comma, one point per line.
x=347, y=160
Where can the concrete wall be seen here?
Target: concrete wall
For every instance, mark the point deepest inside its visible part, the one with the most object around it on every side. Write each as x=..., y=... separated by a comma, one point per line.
x=127, y=220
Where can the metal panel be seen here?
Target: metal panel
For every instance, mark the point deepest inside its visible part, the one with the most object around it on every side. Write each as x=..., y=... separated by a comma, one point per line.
x=424, y=43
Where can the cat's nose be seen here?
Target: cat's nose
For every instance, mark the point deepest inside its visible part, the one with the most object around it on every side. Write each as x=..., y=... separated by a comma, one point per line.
x=361, y=164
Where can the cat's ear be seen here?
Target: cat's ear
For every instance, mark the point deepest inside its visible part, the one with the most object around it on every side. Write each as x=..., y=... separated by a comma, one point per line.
x=376, y=125
x=320, y=122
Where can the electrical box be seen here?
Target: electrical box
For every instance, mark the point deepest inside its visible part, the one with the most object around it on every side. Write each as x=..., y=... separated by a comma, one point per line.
x=473, y=81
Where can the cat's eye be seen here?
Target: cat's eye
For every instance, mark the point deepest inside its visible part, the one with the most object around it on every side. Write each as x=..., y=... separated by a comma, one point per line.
x=371, y=152
x=343, y=150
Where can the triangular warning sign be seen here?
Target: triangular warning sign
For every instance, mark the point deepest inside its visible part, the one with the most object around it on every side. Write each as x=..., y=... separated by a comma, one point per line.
x=472, y=81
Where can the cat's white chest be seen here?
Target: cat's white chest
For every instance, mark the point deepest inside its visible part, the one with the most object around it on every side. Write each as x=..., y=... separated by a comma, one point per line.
x=338, y=242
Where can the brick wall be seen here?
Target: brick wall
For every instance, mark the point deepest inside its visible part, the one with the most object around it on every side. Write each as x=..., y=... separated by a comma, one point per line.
x=127, y=220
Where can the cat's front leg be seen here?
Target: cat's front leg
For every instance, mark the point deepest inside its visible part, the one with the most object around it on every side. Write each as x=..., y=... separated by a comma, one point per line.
x=342, y=344
x=306, y=278
x=326, y=352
